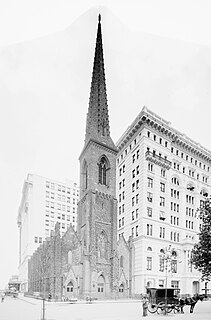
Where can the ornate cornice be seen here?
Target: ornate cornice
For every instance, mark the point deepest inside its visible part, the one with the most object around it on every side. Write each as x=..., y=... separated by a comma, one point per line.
x=147, y=118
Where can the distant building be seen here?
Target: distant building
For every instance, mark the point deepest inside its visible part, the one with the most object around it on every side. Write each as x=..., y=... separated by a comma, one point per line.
x=14, y=283
x=44, y=202
x=162, y=177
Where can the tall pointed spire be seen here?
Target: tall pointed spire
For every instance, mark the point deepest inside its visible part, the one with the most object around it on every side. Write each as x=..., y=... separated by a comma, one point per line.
x=97, y=124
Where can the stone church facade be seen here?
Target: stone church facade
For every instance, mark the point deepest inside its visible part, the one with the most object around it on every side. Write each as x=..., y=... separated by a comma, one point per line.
x=89, y=262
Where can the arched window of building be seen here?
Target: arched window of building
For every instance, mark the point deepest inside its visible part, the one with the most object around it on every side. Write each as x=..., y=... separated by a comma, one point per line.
x=190, y=187
x=175, y=181
x=204, y=193
x=103, y=171
x=149, y=249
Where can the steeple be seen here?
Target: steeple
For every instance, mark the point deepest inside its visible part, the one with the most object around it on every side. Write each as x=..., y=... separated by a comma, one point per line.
x=97, y=124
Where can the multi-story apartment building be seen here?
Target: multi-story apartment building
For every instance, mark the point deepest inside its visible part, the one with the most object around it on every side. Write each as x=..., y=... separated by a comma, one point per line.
x=162, y=175
x=44, y=202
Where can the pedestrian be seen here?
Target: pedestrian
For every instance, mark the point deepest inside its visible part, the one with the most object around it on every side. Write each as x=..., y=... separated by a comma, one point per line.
x=49, y=296
x=2, y=296
x=145, y=306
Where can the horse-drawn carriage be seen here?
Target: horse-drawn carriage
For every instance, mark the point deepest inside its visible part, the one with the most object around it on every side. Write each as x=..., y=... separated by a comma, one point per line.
x=162, y=299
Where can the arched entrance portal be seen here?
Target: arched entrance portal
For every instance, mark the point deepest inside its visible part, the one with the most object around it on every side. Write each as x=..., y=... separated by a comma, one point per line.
x=101, y=286
x=195, y=287
x=121, y=290
x=70, y=290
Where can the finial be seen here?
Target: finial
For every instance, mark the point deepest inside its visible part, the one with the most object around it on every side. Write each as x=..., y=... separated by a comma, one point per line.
x=99, y=18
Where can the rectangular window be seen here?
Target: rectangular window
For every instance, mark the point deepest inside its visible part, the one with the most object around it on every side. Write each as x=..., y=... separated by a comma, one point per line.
x=161, y=264
x=149, y=182
x=133, y=201
x=149, y=212
x=136, y=231
x=162, y=201
x=133, y=173
x=149, y=263
x=162, y=187
x=36, y=239
x=150, y=167
x=163, y=172
x=137, y=170
x=174, y=266
x=149, y=196
x=149, y=229
x=137, y=199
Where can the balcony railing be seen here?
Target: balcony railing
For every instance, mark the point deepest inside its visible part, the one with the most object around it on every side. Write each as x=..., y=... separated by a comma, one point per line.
x=153, y=157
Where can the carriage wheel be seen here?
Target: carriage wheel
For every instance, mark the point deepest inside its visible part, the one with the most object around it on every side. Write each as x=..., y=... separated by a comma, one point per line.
x=152, y=308
x=161, y=308
x=177, y=308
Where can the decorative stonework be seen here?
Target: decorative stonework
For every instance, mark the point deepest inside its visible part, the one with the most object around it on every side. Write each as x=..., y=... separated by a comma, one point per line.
x=162, y=162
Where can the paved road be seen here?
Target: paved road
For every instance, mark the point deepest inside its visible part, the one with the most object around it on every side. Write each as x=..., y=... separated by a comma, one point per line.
x=30, y=309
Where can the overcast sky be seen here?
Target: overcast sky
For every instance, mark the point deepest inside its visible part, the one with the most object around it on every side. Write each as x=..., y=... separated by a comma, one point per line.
x=157, y=53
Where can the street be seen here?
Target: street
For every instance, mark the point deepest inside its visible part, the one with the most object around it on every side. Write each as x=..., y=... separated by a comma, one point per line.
x=30, y=309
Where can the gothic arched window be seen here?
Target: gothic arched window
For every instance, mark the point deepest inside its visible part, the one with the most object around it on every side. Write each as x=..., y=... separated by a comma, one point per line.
x=103, y=175
x=85, y=175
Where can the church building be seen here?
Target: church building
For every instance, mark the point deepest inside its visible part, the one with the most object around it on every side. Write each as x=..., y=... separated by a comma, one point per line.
x=89, y=262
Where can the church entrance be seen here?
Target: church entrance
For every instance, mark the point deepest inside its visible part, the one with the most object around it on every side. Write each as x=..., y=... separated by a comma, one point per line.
x=70, y=290
x=101, y=286
x=121, y=290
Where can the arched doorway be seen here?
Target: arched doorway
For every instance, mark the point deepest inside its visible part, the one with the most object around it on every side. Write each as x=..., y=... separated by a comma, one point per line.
x=121, y=290
x=195, y=287
x=70, y=290
x=101, y=286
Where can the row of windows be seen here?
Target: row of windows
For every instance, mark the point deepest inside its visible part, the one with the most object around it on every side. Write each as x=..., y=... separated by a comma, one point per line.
x=61, y=188
x=135, y=214
x=175, y=194
x=151, y=169
x=122, y=209
x=189, y=212
x=162, y=265
x=189, y=199
x=135, y=156
x=58, y=197
x=189, y=224
x=121, y=222
x=121, y=196
x=135, y=172
x=58, y=206
x=38, y=239
x=190, y=159
x=191, y=173
x=121, y=184
x=50, y=223
x=131, y=146
x=150, y=199
x=174, y=236
x=157, y=139
x=175, y=207
x=134, y=231
x=122, y=170
x=58, y=215
x=174, y=220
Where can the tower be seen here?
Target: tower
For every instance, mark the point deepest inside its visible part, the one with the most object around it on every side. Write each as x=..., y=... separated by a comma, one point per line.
x=97, y=206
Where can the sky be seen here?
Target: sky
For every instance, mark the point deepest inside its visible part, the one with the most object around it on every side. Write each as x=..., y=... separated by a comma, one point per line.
x=157, y=53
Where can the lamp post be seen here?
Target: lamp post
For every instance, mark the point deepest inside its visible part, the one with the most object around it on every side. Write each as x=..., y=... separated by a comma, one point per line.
x=167, y=254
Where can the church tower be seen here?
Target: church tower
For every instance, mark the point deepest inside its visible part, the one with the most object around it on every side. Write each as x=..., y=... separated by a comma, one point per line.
x=97, y=207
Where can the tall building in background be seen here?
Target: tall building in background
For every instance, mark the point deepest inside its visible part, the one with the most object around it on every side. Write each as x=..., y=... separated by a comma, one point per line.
x=162, y=176
x=44, y=202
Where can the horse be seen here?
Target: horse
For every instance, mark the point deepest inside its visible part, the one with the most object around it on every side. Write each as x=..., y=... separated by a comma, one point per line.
x=190, y=302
